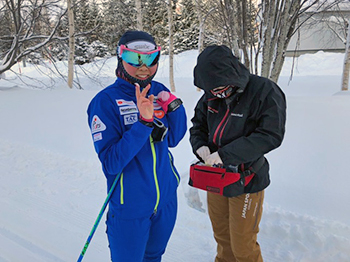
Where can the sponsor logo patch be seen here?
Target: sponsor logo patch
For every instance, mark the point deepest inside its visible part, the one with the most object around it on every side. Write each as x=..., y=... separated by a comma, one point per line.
x=97, y=125
x=159, y=114
x=124, y=110
x=130, y=119
x=122, y=102
x=97, y=137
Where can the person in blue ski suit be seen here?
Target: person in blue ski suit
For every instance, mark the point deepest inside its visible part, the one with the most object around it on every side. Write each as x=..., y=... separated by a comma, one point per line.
x=133, y=123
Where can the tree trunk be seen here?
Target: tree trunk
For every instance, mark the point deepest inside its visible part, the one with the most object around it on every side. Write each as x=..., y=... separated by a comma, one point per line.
x=171, y=46
x=282, y=43
x=346, y=67
x=201, y=26
x=139, y=15
x=267, y=26
x=71, y=44
x=227, y=7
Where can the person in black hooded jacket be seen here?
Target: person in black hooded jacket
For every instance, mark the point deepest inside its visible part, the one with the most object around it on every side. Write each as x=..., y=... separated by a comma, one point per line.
x=239, y=119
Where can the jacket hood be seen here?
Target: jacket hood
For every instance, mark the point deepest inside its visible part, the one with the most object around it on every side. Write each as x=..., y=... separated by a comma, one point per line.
x=217, y=66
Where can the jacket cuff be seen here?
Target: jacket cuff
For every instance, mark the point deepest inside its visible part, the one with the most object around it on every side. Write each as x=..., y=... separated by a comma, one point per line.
x=147, y=122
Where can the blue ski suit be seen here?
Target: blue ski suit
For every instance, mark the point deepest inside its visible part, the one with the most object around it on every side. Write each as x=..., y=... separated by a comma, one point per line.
x=143, y=207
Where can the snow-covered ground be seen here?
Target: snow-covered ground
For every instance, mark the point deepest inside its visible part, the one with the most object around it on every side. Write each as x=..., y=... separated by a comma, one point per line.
x=52, y=186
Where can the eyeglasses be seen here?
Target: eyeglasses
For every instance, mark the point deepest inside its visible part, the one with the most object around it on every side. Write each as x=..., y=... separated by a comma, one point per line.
x=138, y=58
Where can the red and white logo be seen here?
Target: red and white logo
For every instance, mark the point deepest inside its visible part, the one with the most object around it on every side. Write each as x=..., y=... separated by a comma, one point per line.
x=159, y=114
x=122, y=102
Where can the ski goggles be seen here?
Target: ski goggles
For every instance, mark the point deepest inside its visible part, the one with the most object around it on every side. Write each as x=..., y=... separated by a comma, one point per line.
x=138, y=58
x=222, y=92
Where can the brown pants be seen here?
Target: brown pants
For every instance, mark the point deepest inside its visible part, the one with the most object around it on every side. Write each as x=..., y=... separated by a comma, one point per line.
x=235, y=224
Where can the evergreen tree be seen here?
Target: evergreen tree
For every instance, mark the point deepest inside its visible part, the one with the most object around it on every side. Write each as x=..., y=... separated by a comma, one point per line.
x=117, y=17
x=95, y=22
x=81, y=51
x=155, y=21
x=186, y=27
x=82, y=16
x=62, y=30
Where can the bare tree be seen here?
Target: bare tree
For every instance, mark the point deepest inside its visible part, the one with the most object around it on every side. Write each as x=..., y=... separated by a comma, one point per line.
x=139, y=15
x=24, y=38
x=332, y=29
x=279, y=22
x=346, y=66
x=171, y=45
x=71, y=44
x=202, y=14
x=252, y=27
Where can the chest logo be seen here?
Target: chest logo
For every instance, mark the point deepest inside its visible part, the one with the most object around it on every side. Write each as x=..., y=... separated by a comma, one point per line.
x=130, y=119
x=122, y=102
x=124, y=110
x=237, y=115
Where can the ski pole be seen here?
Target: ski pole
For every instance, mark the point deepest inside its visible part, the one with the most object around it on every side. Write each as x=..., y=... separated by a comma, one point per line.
x=98, y=219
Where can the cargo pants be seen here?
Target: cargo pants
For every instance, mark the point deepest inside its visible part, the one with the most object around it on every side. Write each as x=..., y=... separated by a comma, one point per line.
x=235, y=223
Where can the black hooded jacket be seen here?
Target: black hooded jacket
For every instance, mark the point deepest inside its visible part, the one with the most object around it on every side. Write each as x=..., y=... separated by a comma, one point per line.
x=246, y=125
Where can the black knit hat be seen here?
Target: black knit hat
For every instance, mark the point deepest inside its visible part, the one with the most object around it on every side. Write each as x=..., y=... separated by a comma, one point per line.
x=131, y=36
x=137, y=40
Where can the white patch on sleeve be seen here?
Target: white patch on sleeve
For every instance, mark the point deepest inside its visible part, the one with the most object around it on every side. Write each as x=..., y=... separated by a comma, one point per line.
x=97, y=125
x=97, y=137
x=130, y=119
x=124, y=110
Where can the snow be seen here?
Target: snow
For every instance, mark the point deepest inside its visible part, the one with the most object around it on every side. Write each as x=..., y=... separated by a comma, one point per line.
x=52, y=186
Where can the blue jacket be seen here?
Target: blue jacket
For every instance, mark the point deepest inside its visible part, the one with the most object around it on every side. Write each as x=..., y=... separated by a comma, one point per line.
x=124, y=146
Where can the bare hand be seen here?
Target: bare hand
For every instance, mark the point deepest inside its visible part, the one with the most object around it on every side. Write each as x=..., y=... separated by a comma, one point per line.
x=144, y=104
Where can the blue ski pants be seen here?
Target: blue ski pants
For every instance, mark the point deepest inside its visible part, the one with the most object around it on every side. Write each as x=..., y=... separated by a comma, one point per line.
x=143, y=239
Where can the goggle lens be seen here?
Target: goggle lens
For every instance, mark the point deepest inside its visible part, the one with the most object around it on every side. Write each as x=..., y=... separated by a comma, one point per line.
x=137, y=58
x=222, y=92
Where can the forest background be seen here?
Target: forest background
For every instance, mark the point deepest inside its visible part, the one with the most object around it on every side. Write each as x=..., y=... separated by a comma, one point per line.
x=80, y=31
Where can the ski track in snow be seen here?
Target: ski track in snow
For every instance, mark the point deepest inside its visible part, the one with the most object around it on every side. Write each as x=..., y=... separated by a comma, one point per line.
x=39, y=223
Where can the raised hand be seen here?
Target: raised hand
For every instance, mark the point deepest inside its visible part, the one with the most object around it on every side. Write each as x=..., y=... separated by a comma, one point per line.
x=144, y=104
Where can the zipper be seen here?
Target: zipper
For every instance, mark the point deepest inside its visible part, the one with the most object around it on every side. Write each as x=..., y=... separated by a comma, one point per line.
x=155, y=173
x=219, y=127
x=122, y=189
x=209, y=171
x=222, y=131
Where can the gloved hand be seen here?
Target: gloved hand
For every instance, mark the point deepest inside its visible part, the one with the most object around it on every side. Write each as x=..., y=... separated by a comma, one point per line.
x=168, y=101
x=213, y=159
x=203, y=152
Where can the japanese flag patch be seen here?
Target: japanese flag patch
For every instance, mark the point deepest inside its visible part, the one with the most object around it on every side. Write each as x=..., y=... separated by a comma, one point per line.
x=97, y=125
x=122, y=102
